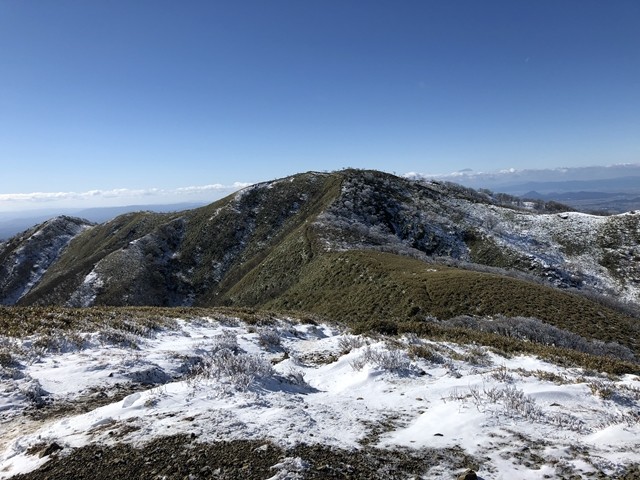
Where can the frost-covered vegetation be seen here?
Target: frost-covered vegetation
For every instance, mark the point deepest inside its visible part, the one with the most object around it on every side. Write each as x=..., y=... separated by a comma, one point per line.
x=137, y=376
x=568, y=249
x=534, y=330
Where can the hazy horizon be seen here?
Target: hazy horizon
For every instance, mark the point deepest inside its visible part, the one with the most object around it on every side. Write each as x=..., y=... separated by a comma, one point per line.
x=20, y=205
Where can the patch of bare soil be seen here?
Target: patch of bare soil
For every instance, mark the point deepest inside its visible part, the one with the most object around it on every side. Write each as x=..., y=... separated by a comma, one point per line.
x=183, y=457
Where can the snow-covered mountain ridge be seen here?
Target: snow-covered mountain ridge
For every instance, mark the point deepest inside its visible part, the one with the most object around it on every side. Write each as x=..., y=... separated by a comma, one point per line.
x=25, y=258
x=441, y=329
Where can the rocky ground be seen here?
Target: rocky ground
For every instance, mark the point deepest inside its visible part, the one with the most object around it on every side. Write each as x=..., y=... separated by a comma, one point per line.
x=183, y=457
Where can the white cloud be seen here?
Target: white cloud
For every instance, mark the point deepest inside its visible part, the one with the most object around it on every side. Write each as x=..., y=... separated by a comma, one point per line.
x=213, y=187
x=92, y=197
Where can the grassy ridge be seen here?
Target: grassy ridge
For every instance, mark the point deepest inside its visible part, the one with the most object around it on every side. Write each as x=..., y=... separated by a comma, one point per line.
x=360, y=286
x=267, y=271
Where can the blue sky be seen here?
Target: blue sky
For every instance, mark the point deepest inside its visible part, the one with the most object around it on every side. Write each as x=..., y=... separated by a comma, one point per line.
x=121, y=98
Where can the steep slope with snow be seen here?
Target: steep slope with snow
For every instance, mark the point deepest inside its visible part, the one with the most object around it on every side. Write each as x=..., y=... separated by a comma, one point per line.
x=25, y=258
x=568, y=249
x=182, y=258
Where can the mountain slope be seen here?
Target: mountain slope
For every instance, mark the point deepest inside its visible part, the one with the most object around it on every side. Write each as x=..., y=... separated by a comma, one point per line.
x=182, y=258
x=313, y=242
x=25, y=258
x=567, y=248
x=363, y=286
x=440, y=329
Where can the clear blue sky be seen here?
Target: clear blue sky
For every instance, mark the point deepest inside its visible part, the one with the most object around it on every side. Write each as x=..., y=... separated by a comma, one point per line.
x=140, y=95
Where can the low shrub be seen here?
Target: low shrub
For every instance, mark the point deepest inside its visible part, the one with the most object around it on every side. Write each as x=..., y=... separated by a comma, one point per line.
x=426, y=352
x=602, y=389
x=350, y=342
x=269, y=338
x=394, y=360
x=6, y=359
x=535, y=330
x=229, y=366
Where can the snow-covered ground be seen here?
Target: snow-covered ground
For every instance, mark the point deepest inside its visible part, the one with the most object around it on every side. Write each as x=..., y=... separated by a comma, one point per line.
x=521, y=417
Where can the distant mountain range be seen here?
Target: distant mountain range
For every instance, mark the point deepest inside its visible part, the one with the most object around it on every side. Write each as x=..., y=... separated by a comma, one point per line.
x=612, y=189
x=602, y=190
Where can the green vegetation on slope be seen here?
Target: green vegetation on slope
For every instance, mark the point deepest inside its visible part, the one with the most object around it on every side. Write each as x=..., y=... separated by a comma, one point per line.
x=185, y=258
x=361, y=286
x=272, y=260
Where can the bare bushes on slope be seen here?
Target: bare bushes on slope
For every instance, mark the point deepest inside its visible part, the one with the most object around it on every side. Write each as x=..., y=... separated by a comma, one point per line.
x=535, y=330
